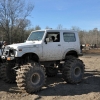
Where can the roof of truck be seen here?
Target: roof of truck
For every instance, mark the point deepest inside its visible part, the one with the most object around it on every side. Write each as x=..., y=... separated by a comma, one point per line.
x=55, y=30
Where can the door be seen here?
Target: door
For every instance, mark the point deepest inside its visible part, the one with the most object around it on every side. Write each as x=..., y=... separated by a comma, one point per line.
x=52, y=49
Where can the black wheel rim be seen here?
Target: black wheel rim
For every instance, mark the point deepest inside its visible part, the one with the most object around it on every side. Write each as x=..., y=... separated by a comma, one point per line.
x=35, y=78
x=77, y=71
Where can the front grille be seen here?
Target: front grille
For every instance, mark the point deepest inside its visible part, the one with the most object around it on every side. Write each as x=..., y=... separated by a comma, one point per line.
x=9, y=52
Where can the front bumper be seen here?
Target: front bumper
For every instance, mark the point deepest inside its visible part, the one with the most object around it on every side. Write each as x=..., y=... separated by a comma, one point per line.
x=7, y=58
x=10, y=58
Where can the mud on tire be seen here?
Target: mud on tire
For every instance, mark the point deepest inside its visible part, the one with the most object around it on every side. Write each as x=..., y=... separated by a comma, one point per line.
x=30, y=78
x=73, y=70
x=7, y=73
x=0, y=70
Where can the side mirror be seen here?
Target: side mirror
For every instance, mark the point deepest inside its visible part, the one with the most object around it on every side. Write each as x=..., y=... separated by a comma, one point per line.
x=47, y=40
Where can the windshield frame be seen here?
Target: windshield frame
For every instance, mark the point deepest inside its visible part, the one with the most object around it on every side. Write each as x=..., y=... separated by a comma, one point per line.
x=34, y=37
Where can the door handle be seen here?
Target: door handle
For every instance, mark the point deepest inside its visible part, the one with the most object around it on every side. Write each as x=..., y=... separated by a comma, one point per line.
x=59, y=45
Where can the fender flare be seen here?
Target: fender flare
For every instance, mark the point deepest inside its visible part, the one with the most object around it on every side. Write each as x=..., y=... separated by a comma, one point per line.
x=69, y=52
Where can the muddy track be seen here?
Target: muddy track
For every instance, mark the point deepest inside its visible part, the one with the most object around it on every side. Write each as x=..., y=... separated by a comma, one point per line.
x=56, y=89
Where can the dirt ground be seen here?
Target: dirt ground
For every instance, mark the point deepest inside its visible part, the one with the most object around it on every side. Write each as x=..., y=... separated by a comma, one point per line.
x=57, y=89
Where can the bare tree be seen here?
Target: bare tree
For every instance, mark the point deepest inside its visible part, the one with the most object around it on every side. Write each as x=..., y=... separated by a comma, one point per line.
x=47, y=27
x=12, y=10
x=20, y=29
x=75, y=28
x=37, y=27
x=91, y=37
x=60, y=27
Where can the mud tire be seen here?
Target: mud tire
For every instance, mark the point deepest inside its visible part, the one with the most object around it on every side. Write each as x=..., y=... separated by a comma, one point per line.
x=30, y=78
x=0, y=70
x=7, y=73
x=73, y=70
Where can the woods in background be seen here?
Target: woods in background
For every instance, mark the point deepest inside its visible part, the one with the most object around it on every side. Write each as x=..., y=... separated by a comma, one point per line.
x=14, y=23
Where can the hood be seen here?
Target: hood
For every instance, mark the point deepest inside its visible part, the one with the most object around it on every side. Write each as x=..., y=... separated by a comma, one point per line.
x=27, y=44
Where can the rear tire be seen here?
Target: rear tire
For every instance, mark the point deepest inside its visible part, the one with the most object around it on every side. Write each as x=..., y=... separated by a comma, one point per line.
x=73, y=70
x=30, y=77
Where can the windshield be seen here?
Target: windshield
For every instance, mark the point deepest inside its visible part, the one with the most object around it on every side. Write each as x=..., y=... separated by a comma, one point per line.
x=36, y=36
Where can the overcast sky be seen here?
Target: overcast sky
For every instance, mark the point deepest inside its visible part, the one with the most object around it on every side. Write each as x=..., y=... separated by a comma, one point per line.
x=84, y=14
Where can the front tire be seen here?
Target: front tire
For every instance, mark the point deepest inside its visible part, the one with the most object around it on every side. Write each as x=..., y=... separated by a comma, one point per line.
x=8, y=74
x=30, y=77
x=0, y=70
x=73, y=70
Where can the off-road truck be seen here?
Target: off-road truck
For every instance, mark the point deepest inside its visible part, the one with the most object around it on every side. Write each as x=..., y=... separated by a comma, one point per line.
x=44, y=51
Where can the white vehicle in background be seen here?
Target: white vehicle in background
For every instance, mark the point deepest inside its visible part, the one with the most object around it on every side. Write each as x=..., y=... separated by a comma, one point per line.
x=44, y=50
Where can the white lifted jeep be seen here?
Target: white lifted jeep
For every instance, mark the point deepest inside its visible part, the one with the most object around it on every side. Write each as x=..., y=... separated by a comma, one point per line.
x=44, y=50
